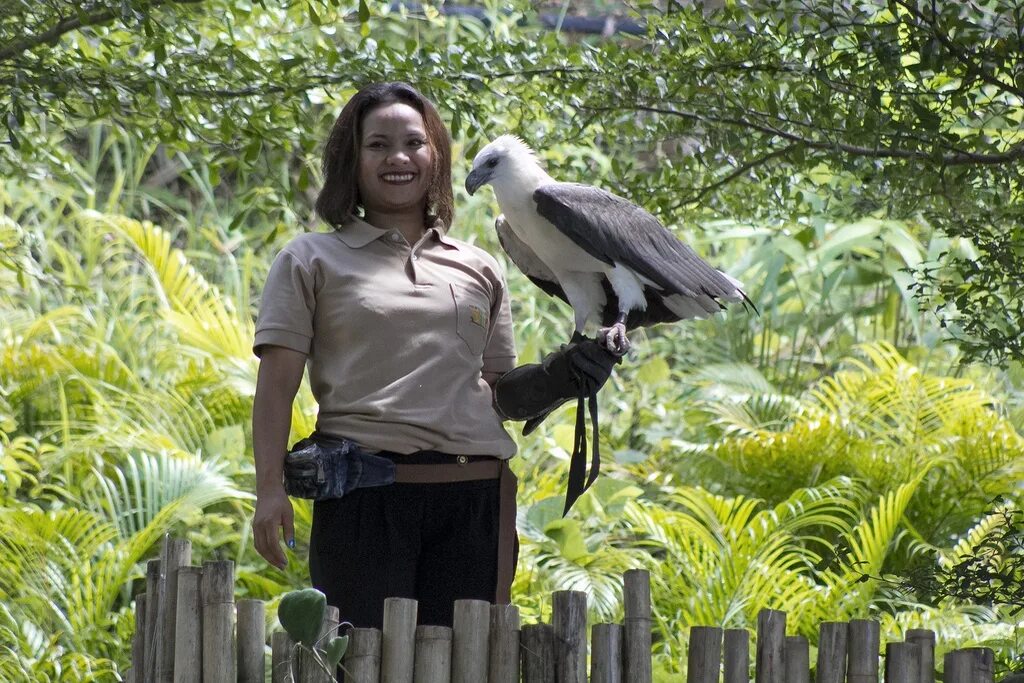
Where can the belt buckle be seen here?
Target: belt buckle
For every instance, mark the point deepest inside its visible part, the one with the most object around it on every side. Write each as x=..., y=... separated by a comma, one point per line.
x=462, y=460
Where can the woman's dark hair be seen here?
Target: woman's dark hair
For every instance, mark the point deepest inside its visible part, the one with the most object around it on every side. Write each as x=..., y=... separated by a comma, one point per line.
x=339, y=196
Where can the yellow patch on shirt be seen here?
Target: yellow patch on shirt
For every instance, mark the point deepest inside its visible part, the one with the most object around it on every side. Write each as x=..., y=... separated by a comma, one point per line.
x=477, y=316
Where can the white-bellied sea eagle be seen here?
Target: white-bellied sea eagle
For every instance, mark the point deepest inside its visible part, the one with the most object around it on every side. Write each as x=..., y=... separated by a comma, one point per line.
x=612, y=261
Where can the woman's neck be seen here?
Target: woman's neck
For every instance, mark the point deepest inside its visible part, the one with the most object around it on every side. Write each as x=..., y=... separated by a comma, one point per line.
x=410, y=224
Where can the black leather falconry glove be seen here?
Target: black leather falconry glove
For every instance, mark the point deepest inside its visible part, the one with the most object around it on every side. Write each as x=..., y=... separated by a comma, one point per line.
x=531, y=392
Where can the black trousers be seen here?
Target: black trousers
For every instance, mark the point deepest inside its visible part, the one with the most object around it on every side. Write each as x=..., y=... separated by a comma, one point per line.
x=436, y=543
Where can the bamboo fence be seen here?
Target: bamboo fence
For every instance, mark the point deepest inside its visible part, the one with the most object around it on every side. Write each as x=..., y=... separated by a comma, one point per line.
x=190, y=630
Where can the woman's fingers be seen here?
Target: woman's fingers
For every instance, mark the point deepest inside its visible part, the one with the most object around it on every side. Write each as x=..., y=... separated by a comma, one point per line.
x=267, y=526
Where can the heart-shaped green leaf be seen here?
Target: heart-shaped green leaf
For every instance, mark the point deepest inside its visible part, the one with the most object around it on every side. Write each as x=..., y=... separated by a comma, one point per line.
x=335, y=651
x=301, y=613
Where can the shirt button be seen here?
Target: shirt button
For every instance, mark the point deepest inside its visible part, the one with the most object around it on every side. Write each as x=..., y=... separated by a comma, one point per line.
x=395, y=237
x=415, y=257
x=462, y=459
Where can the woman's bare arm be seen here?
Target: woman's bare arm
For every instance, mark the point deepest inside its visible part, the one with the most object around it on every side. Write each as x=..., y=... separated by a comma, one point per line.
x=277, y=382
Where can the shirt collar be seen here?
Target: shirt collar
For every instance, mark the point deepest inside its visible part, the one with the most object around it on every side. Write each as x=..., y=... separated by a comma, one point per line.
x=357, y=233
x=440, y=231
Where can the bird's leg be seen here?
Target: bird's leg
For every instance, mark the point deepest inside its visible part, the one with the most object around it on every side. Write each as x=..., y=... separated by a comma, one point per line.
x=614, y=338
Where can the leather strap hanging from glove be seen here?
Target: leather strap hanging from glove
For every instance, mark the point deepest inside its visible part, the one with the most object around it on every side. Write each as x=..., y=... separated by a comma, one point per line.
x=531, y=392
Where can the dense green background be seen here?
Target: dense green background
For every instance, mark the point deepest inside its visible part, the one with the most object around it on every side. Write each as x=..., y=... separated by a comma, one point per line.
x=856, y=164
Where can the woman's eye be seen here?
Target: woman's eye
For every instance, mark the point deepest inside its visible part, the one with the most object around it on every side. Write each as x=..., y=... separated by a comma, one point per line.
x=417, y=143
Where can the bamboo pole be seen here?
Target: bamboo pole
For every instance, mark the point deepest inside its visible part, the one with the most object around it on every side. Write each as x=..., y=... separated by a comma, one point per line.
x=797, y=660
x=704, y=655
x=636, y=597
x=902, y=663
x=174, y=554
x=969, y=665
x=832, y=645
x=433, y=660
x=606, y=658
x=310, y=666
x=152, y=612
x=926, y=654
x=139, y=638
x=188, y=626
x=737, y=655
x=362, y=658
x=569, y=619
x=252, y=640
x=397, y=654
x=863, y=644
x=471, y=626
x=218, y=622
x=504, y=644
x=537, y=649
x=771, y=639
x=281, y=647
x=329, y=626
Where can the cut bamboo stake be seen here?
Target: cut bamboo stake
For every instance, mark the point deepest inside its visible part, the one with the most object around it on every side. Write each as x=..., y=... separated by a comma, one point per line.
x=139, y=638
x=771, y=639
x=537, y=650
x=863, y=643
x=504, y=645
x=832, y=644
x=636, y=597
x=362, y=658
x=926, y=640
x=471, y=626
x=569, y=619
x=281, y=658
x=329, y=627
x=152, y=612
x=970, y=665
x=433, y=660
x=797, y=660
x=397, y=655
x=252, y=640
x=174, y=554
x=310, y=667
x=606, y=658
x=188, y=626
x=902, y=663
x=218, y=621
x=704, y=654
x=737, y=655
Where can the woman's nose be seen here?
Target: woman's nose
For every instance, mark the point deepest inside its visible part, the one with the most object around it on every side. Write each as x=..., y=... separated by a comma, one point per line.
x=398, y=155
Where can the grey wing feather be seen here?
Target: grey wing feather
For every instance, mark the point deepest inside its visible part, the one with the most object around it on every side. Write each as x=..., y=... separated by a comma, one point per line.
x=615, y=230
x=532, y=267
x=526, y=260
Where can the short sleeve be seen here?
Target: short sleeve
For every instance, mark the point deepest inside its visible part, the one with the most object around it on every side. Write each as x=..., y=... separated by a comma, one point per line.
x=500, y=352
x=287, y=306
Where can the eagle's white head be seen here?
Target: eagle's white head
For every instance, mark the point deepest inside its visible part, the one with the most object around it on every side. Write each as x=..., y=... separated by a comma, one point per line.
x=506, y=159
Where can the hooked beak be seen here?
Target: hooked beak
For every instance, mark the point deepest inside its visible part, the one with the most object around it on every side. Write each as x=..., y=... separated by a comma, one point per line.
x=477, y=178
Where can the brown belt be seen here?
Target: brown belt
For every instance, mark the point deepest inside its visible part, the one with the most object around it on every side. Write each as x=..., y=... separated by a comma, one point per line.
x=471, y=471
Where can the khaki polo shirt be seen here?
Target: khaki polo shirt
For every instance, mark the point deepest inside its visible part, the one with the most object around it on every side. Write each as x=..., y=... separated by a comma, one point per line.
x=397, y=336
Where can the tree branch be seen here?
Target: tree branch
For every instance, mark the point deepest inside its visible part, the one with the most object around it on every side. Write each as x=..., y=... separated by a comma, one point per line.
x=958, y=158
x=760, y=161
x=73, y=23
x=964, y=56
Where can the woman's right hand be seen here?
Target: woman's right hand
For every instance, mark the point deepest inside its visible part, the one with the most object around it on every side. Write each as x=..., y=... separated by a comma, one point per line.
x=273, y=515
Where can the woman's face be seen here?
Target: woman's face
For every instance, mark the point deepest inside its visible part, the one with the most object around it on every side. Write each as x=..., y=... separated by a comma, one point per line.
x=394, y=160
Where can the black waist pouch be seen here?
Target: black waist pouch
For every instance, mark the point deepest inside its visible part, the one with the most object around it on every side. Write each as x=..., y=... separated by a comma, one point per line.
x=321, y=467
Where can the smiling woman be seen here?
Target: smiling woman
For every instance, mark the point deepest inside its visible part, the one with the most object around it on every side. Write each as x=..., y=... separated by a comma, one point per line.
x=401, y=328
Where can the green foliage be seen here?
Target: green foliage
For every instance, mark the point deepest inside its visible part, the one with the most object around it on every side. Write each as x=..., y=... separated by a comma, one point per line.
x=854, y=164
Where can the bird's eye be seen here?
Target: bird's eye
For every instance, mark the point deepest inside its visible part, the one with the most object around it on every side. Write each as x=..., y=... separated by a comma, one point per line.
x=491, y=163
